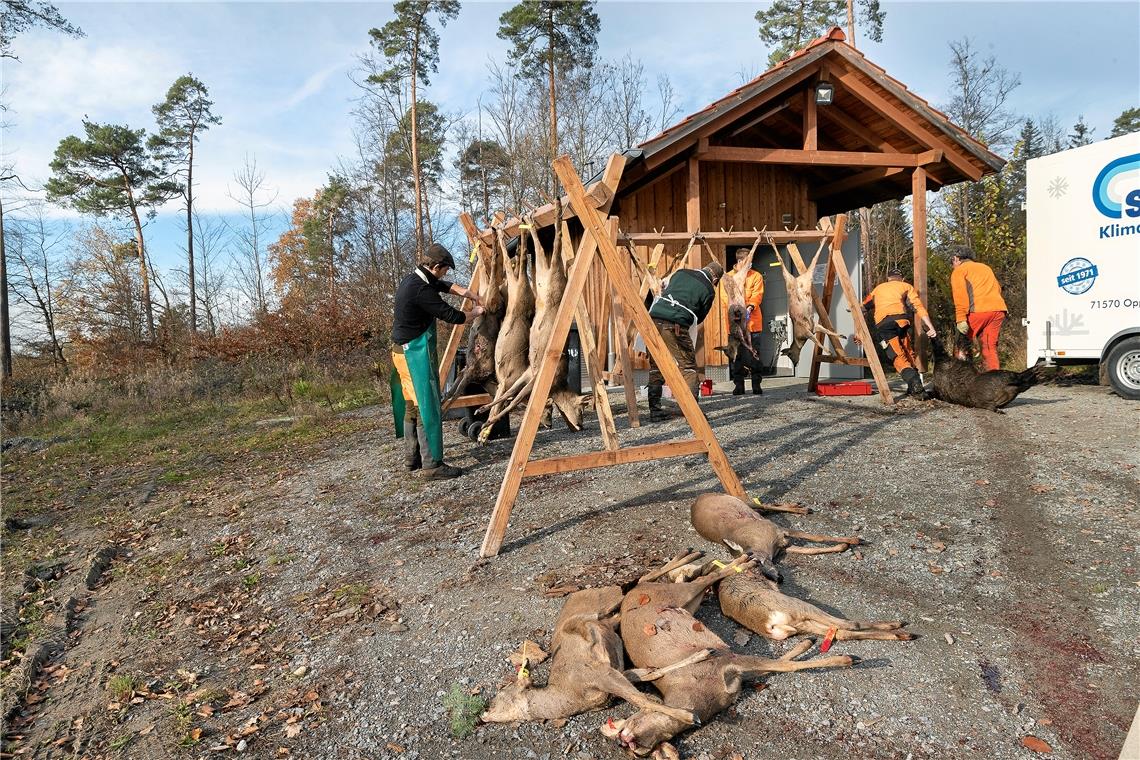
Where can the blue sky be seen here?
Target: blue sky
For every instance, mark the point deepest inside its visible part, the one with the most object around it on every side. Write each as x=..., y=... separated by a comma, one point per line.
x=278, y=72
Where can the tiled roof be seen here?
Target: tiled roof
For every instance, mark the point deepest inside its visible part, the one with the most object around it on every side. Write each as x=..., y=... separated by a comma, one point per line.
x=757, y=86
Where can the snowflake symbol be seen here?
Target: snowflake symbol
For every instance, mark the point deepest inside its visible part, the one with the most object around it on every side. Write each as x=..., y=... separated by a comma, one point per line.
x=1058, y=187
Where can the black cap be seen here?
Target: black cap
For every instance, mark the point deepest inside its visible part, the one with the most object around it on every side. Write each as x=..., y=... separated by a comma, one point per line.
x=894, y=272
x=437, y=254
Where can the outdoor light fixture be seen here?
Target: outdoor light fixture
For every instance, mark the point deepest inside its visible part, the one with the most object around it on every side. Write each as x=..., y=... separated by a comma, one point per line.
x=824, y=93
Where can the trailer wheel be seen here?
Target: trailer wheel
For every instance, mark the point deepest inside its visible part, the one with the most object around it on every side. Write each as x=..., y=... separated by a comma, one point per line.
x=1123, y=367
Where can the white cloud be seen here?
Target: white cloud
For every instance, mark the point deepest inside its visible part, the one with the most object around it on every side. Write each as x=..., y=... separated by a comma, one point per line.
x=311, y=86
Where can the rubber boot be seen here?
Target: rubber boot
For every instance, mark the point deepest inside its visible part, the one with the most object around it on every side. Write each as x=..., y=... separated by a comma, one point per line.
x=914, y=387
x=412, y=459
x=738, y=388
x=656, y=411
x=756, y=389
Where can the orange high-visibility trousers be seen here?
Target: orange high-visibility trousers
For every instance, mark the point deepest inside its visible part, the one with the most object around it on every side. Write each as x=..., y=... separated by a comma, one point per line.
x=894, y=338
x=985, y=327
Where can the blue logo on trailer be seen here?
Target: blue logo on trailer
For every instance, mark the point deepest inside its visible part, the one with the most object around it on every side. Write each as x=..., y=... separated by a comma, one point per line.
x=1077, y=276
x=1117, y=208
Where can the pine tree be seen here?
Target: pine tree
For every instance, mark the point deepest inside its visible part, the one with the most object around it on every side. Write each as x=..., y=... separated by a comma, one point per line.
x=181, y=117
x=1082, y=133
x=111, y=173
x=411, y=45
x=789, y=25
x=1128, y=121
x=551, y=38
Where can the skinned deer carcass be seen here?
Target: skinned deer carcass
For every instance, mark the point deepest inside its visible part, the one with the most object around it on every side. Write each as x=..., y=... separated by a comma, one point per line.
x=738, y=336
x=550, y=280
x=660, y=633
x=801, y=307
x=513, y=341
x=732, y=522
x=585, y=671
x=482, y=336
x=756, y=603
x=958, y=381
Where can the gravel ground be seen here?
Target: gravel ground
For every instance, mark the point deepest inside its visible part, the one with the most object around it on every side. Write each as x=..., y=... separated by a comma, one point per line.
x=1007, y=541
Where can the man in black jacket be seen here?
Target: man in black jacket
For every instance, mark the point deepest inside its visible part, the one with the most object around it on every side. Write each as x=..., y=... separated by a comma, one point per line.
x=684, y=303
x=415, y=383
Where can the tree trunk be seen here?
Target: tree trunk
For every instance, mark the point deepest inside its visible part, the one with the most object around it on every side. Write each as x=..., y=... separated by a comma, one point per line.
x=143, y=273
x=5, y=324
x=416, y=150
x=553, y=102
x=190, y=237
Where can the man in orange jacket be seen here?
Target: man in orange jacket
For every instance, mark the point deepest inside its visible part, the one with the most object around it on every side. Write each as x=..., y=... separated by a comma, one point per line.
x=979, y=308
x=753, y=288
x=892, y=303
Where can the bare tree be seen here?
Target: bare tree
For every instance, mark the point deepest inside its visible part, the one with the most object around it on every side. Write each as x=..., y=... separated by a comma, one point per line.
x=667, y=96
x=256, y=198
x=212, y=239
x=36, y=248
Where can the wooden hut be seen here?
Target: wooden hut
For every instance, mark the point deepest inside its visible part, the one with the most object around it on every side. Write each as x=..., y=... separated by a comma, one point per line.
x=822, y=132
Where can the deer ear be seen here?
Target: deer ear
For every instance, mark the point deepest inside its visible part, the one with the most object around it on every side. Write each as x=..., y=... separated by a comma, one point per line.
x=733, y=546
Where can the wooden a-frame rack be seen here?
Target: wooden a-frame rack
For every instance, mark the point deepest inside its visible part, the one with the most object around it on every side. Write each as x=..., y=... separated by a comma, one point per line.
x=599, y=240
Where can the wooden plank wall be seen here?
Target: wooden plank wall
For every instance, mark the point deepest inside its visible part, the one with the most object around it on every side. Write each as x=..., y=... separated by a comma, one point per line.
x=737, y=196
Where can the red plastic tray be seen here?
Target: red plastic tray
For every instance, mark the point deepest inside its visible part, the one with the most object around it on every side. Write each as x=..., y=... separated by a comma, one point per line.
x=845, y=388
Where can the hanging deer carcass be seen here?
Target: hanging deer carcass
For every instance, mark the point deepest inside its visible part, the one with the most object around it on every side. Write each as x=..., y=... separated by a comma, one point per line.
x=482, y=336
x=513, y=341
x=550, y=279
x=585, y=671
x=801, y=306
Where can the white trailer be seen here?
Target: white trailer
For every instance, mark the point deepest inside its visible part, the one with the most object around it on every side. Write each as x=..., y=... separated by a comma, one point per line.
x=1083, y=259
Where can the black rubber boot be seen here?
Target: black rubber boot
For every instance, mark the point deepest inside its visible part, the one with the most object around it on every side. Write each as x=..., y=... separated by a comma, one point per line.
x=656, y=412
x=412, y=459
x=756, y=389
x=441, y=471
x=738, y=388
x=914, y=387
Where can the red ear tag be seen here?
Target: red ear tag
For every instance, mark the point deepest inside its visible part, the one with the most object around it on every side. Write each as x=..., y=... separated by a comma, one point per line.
x=830, y=637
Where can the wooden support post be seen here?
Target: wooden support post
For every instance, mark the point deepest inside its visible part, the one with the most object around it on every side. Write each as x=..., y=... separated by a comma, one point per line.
x=693, y=224
x=918, y=232
x=628, y=380
x=817, y=352
x=811, y=140
x=861, y=328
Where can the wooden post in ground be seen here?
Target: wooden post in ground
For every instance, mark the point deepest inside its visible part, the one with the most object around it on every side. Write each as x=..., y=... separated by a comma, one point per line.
x=457, y=331
x=861, y=328
x=918, y=232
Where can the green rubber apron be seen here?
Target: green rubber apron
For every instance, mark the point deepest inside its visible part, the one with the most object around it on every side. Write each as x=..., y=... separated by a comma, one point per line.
x=423, y=365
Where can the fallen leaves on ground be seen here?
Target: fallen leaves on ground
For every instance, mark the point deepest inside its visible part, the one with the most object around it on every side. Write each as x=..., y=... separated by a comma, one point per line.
x=1036, y=745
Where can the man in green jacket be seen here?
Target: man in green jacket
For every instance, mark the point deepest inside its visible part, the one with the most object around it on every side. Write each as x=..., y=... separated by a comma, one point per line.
x=683, y=304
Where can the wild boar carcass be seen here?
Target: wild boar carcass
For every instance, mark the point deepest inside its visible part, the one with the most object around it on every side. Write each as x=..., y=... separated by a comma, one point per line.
x=661, y=634
x=585, y=670
x=801, y=306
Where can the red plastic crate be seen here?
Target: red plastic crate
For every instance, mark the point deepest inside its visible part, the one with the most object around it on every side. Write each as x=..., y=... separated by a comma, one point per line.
x=845, y=388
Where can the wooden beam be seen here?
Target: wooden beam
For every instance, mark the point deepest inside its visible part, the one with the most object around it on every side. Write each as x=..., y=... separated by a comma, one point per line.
x=817, y=157
x=855, y=181
x=918, y=233
x=743, y=237
x=619, y=277
x=861, y=328
x=484, y=249
x=828, y=293
x=693, y=197
x=811, y=132
x=475, y=399
x=456, y=336
x=766, y=115
x=853, y=361
x=906, y=123
x=837, y=115
x=609, y=458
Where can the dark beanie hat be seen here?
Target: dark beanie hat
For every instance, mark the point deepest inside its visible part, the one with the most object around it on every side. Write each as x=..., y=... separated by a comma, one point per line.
x=437, y=254
x=894, y=272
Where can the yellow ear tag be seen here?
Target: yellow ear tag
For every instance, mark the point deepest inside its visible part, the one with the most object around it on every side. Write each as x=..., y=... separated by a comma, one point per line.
x=722, y=566
x=524, y=226
x=776, y=264
x=475, y=251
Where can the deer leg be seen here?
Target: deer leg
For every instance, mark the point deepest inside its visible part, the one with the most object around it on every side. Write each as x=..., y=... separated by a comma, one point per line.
x=644, y=675
x=796, y=651
x=738, y=565
x=673, y=564
x=750, y=667
x=815, y=538
x=835, y=549
x=613, y=682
